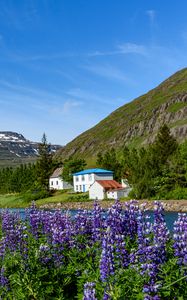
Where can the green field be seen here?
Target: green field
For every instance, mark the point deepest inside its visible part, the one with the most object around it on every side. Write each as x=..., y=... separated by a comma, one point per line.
x=12, y=201
x=17, y=201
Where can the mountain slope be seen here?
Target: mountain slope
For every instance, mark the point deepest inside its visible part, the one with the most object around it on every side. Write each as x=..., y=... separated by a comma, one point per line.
x=15, y=149
x=137, y=123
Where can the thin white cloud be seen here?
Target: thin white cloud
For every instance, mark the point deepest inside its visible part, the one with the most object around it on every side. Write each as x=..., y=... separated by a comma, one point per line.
x=132, y=48
x=109, y=71
x=102, y=53
x=9, y=86
x=88, y=96
x=151, y=14
x=69, y=105
x=56, y=109
x=40, y=57
x=124, y=48
x=35, y=100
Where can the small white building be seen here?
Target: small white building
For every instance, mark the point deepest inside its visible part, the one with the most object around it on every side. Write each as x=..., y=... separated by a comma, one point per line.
x=127, y=187
x=84, y=179
x=56, y=182
x=102, y=189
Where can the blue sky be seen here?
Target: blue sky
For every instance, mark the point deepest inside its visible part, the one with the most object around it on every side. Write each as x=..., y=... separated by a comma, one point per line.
x=66, y=64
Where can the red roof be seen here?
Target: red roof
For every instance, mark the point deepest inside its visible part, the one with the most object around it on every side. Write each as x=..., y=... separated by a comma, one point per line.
x=109, y=184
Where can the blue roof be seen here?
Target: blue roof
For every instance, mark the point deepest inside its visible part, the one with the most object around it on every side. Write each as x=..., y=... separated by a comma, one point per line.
x=95, y=171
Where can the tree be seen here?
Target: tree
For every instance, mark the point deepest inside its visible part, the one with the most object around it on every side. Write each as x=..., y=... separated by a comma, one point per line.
x=44, y=164
x=110, y=161
x=165, y=144
x=72, y=165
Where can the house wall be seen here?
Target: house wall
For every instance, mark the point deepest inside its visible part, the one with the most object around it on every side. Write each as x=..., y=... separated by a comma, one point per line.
x=112, y=195
x=115, y=194
x=103, y=177
x=127, y=191
x=96, y=191
x=66, y=185
x=82, y=183
x=58, y=184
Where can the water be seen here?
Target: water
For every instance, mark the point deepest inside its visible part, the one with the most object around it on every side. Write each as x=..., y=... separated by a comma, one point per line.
x=170, y=217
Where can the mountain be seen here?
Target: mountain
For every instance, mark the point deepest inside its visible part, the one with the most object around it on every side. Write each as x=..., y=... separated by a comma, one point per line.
x=16, y=149
x=136, y=123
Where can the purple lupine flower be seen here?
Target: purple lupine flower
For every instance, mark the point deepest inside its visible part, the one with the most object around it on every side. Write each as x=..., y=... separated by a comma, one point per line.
x=130, y=218
x=114, y=219
x=144, y=228
x=161, y=233
x=121, y=254
x=106, y=296
x=143, y=259
x=107, y=256
x=33, y=216
x=83, y=223
x=44, y=253
x=89, y=291
x=3, y=279
x=154, y=251
x=180, y=239
x=2, y=247
x=97, y=222
x=12, y=230
x=61, y=229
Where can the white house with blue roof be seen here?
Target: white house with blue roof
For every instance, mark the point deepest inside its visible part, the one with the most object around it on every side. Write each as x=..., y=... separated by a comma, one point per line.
x=84, y=179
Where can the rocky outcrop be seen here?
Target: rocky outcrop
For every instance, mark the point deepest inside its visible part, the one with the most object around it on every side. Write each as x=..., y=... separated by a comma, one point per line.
x=160, y=116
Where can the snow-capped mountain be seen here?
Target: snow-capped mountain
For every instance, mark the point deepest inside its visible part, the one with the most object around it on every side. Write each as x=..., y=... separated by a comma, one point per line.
x=15, y=148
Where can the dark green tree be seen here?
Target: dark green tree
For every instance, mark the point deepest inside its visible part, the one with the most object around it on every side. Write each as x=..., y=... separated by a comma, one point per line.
x=165, y=144
x=70, y=166
x=110, y=161
x=44, y=164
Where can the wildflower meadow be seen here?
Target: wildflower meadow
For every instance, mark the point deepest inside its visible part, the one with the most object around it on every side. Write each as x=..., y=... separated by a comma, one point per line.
x=93, y=255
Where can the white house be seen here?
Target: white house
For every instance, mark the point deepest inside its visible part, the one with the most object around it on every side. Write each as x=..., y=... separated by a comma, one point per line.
x=56, y=182
x=84, y=179
x=102, y=189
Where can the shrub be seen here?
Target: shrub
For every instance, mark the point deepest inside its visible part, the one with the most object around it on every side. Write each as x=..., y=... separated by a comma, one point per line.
x=177, y=194
x=35, y=194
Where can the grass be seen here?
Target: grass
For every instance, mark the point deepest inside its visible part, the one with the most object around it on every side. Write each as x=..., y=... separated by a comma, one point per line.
x=59, y=197
x=136, y=142
x=12, y=201
x=16, y=200
x=176, y=106
x=178, y=123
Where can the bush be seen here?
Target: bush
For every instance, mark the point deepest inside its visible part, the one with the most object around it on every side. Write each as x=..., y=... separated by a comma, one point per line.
x=177, y=194
x=36, y=194
x=78, y=198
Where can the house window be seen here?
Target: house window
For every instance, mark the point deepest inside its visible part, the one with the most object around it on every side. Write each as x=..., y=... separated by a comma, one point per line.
x=77, y=178
x=57, y=182
x=83, y=178
x=90, y=177
x=77, y=188
x=80, y=188
x=51, y=182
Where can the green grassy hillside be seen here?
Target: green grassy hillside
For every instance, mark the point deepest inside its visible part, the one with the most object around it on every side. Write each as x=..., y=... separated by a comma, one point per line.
x=136, y=123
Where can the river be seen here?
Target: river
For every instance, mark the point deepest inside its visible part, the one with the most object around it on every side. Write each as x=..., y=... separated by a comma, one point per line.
x=170, y=217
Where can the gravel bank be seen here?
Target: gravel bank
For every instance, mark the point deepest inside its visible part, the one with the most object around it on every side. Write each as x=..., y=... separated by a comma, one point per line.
x=169, y=205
